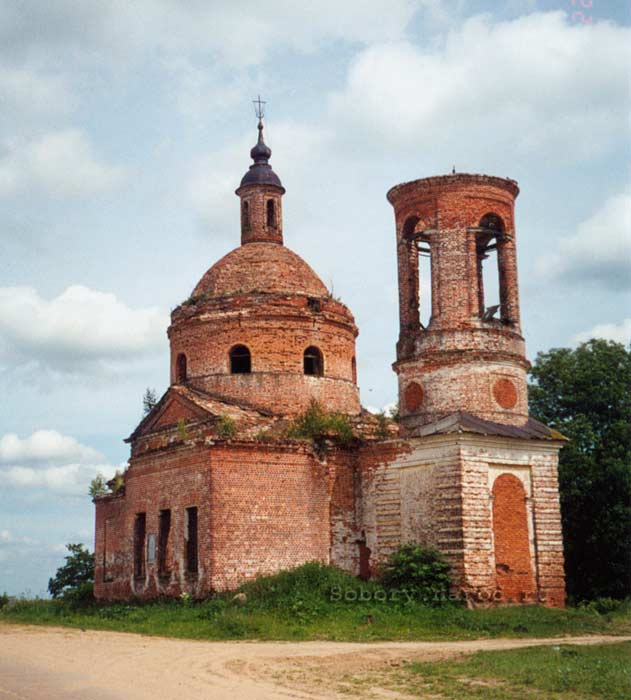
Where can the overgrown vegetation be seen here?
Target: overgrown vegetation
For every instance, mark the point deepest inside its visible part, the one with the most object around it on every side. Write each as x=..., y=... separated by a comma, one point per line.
x=586, y=394
x=419, y=570
x=564, y=672
x=316, y=424
x=315, y=601
x=73, y=581
x=226, y=427
x=182, y=430
x=98, y=486
x=382, y=425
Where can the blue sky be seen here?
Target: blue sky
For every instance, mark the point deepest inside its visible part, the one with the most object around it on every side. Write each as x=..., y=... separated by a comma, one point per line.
x=125, y=128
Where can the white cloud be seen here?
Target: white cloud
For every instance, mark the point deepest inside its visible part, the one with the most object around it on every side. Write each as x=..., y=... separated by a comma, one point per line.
x=242, y=33
x=537, y=84
x=31, y=91
x=618, y=332
x=60, y=163
x=76, y=331
x=600, y=250
x=5, y=536
x=50, y=462
x=65, y=480
x=45, y=446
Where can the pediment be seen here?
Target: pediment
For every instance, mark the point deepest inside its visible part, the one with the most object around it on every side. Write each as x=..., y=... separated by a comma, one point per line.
x=173, y=408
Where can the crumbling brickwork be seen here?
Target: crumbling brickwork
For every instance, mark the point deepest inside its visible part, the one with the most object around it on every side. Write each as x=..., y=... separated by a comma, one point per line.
x=217, y=493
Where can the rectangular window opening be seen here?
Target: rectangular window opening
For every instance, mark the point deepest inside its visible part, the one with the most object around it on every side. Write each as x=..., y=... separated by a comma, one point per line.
x=164, y=529
x=191, y=540
x=140, y=534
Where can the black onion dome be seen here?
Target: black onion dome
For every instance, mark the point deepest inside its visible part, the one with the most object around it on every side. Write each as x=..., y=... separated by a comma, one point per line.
x=261, y=173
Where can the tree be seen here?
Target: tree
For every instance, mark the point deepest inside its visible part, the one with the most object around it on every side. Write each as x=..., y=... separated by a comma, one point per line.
x=74, y=574
x=98, y=486
x=149, y=400
x=586, y=394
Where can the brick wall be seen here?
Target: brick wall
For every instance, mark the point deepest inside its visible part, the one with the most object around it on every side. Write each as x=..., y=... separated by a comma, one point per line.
x=277, y=329
x=173, y=479
x=261, y=508
x=270, y=511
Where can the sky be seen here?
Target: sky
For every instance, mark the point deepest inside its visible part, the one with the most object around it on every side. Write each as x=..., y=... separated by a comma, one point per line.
x=125, y=128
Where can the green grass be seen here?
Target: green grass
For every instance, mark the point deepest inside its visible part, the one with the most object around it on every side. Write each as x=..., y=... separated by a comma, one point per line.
x=556, y=673
x=312, y=602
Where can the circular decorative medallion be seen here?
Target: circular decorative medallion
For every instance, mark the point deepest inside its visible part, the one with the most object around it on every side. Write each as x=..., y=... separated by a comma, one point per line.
x=505, y=393
x=413, y=396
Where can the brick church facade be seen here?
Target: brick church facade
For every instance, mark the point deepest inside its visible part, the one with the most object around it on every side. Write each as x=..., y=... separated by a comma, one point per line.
x=216, y=492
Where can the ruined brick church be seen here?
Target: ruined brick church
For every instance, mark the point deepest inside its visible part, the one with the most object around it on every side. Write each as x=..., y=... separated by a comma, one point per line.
x=217, y=492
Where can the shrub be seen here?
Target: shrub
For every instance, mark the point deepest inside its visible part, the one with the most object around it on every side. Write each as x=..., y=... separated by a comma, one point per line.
x=4, y=600
x=226, y=427
x=316, y=423
x=420, y=570
x=382, y=425
x=301, y=593
x=182, y=430
x=603, y=606
x=80, y=596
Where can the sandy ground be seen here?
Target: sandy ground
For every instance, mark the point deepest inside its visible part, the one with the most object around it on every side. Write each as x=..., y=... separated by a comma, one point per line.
x=38, y=663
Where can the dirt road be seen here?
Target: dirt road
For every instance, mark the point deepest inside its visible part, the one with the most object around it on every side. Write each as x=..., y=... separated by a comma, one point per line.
x=38, y=663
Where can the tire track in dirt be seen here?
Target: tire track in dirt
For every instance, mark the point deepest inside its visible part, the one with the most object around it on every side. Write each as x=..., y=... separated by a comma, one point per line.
x=47, y=663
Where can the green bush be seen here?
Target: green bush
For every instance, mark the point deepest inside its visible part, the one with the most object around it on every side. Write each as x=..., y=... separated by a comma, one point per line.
x=226, y=427
x=80, y=596
x=4, y=600
x=419, y=570
x=604, y=606
x=316, y=423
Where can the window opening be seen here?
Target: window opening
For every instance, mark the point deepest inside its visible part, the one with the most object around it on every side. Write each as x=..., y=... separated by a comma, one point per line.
x=271, y=213
x=314, y=304
x=140, y=533
x=240, y=360
x=191, y=540
x=164, y=530
x=313, y=363
x=180, y=368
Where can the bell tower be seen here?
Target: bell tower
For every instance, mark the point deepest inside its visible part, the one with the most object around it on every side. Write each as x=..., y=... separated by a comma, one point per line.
x=469, y=354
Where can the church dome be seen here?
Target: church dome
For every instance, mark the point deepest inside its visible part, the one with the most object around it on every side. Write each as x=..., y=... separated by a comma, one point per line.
x=261, y=267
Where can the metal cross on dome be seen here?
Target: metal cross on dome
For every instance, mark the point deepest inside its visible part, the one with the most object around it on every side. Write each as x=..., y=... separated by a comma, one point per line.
x=259, y=107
